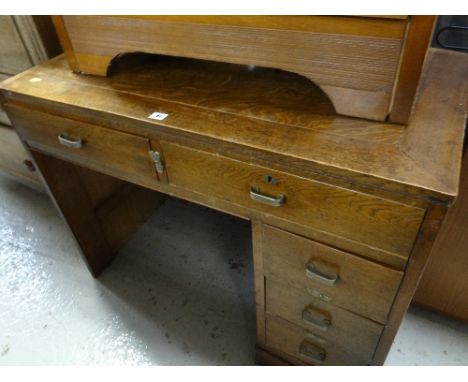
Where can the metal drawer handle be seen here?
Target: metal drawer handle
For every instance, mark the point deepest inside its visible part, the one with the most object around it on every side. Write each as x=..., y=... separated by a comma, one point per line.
x=73, y=143
x=313, y=273
x=315, y=318
x=312, y=351
x=270, y=200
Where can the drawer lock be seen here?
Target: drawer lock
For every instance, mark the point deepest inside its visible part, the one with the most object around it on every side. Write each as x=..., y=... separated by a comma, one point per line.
x=157, y=160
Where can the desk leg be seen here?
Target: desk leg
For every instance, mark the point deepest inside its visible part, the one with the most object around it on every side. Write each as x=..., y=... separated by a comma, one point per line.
x=69, y=195
x=101, y=211
x=259, y=279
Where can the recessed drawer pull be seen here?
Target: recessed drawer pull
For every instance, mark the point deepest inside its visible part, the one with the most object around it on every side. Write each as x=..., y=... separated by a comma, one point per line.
x=313, y=352
x=316, y=319
x=73, y=143
x=313, y=273
x=256, y=195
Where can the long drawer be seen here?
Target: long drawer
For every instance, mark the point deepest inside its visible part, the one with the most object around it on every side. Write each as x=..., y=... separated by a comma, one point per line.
x=356, y=216
x=325, y=323
x=331, y=275
x=296, y=342
x=96, y=147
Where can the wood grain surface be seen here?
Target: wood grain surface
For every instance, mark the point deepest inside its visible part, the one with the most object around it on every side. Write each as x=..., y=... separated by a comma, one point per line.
x=385, y=158
x=259, y=280
x=101, y=148
x=416, y=264
x=346, y=329
x=62, y=180
x=418, y=37
x=376, y=222
x=359, y=186
x=353, y=59
x=362, y=287
x=444, y=285
x=12, y=159
x=286, y=338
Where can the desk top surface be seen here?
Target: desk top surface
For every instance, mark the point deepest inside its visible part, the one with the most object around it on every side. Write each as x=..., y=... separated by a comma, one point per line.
x=274, y=111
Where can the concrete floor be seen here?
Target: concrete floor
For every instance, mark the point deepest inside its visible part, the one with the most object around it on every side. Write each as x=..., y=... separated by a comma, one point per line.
x=179, y=293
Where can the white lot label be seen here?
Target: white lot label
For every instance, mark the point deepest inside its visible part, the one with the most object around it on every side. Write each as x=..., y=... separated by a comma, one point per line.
x=158, y=116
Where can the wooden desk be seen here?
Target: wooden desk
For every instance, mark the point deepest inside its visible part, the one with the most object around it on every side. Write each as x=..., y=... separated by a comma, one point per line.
x=344, y=211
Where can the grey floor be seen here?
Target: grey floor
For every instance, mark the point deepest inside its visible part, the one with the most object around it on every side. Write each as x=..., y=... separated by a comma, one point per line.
x=179, y=293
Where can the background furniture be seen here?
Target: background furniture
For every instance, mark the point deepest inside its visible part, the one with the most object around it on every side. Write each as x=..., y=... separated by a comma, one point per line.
x=444, y=286
x=344, y=211
x=25, y=41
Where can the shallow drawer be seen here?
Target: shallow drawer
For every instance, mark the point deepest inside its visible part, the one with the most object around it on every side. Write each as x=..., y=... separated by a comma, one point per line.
x=110, y=151
x=332, y=275
x=296, y=342
x=324, y=322
x=356, y=216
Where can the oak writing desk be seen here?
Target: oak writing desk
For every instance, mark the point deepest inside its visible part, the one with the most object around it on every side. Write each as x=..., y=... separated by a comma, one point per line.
x=344, y=211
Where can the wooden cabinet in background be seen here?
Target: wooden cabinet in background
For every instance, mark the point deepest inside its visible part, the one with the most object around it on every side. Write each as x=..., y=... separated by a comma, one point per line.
x=444, y=285
x=25, y=41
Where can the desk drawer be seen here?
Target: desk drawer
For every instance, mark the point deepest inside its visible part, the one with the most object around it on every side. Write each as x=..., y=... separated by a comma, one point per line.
x=297, y=342
x=102, y=149
x=334, y=276
x=363, y=218
x=324, y=322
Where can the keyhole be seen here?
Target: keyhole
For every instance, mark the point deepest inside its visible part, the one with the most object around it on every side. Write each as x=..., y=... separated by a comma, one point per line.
x=269, y=179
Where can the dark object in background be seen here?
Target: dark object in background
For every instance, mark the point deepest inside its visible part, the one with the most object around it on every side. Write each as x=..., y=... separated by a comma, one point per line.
x=451, y=32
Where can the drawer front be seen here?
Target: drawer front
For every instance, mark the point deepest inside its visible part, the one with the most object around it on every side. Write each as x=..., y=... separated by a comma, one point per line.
x=13, y=157
x=110, y=151
x=296, y=342
x=324, y=322
x=374, y=221
x=332, y=275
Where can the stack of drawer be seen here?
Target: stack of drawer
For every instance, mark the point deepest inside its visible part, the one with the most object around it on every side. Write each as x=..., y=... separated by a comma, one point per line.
x=322, y=305
x=344, y=211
